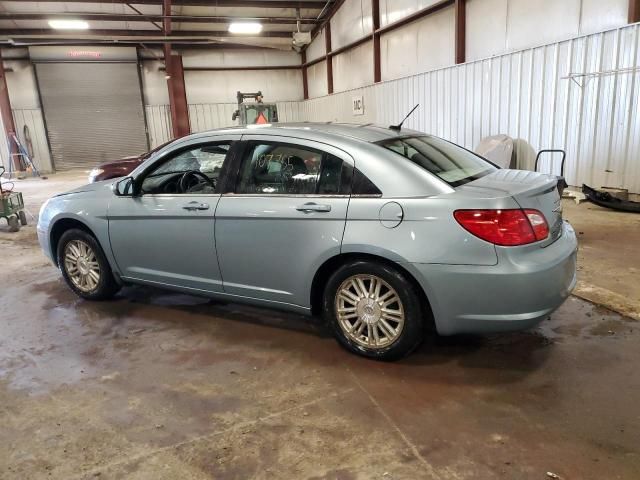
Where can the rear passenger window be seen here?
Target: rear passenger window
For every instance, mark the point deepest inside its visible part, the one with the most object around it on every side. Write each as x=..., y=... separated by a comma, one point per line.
x=286, y=169
x=363, y=186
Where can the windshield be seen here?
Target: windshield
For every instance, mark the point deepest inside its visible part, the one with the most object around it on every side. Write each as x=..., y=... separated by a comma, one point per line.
x=449, y=162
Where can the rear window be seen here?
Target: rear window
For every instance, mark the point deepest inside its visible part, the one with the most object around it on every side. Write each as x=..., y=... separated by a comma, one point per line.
x=449, y=162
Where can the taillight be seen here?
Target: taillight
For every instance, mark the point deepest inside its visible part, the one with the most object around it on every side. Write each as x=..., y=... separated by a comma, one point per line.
x=507, y=228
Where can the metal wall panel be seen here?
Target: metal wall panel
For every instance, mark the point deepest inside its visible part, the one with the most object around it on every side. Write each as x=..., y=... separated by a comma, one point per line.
x=32, y=119
x=524, y=95
x=495, y=27
x=317, y=48
x=353, y=68
x=598, y=15
x=423, y=45
x=317, y=79
x=206, y=116
x=394, y=10
x=158, y=124
x=221, y=86
x=352, y=21
x=239, y=58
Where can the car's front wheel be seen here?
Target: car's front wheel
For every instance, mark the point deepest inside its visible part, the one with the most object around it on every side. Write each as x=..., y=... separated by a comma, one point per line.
x=374, y=310
x=84, y=266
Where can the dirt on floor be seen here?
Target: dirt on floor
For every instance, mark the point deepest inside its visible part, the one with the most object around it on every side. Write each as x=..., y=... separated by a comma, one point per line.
x=609, y=256
x=158, y=385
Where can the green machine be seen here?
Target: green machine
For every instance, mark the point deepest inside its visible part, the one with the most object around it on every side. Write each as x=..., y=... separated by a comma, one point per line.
x=12, y=206
x=255, y=112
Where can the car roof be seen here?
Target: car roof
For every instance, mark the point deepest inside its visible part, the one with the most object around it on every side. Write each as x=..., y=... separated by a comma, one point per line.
x=364, y=132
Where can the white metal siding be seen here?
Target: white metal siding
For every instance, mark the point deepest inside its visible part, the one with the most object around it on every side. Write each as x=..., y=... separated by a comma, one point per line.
x=317, y=79
x=222, y=86
x=317, y=48
x=353, y=68
x=425, y=44
x=351, y=22
x=495, y=27
x=158, y=124
x=32, y=119
x=523, y=95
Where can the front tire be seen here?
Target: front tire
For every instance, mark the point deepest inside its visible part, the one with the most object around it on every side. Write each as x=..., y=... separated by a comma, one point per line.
x=84, y=266
x=374, y=310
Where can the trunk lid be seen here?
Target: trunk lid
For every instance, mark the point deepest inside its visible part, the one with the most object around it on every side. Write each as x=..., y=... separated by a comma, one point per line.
x=529, y=189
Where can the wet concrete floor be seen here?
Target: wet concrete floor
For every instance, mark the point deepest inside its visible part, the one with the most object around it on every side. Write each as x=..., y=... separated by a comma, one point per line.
x=157, y=385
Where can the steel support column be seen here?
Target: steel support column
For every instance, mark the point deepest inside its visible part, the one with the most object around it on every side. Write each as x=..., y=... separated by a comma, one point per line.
x=305, y=81
x=7, y=116
x=327, y=44
x=461, y=30
x=175, y=81
x=634, y=11
x=375, y=13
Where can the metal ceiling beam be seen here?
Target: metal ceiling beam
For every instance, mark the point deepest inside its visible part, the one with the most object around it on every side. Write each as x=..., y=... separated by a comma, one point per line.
x=125, y=17
x=312, y=4
x=35, y=32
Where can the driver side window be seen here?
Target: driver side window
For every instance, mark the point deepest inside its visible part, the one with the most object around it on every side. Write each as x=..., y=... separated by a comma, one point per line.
x=195, y=170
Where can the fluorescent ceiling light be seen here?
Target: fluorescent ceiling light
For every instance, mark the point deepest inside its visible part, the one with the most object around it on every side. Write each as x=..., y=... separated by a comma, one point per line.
x=69, y=24
x=245, y=27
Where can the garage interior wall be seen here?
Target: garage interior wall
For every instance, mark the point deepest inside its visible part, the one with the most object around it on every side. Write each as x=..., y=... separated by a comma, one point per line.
x=211, y=90
x=25, y=104
x=518, y=53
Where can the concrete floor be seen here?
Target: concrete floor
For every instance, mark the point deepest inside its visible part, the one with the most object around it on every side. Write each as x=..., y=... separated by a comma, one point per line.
x=156, y=385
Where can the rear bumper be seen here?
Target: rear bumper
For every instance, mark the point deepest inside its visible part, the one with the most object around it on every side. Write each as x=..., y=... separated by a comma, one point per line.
x=524, y=288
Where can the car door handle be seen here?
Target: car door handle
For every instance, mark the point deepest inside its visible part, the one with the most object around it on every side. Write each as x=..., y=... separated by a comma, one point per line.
x=313, y=207
x=196, y=206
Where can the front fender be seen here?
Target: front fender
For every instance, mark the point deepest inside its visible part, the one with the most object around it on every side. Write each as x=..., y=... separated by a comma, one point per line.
x=89, y=211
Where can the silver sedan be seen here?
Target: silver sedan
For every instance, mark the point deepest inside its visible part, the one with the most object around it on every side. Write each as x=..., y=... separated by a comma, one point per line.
x=388, y=234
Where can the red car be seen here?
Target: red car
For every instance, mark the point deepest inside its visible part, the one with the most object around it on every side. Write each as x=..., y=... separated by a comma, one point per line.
x=122, y=167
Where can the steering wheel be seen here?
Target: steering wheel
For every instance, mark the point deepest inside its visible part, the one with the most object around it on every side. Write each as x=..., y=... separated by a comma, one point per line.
x=192, y=178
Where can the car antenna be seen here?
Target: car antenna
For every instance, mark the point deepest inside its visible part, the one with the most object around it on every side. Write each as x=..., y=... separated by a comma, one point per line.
x=399, y=126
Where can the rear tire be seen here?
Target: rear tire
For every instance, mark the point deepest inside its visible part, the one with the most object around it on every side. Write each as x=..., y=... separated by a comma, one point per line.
x=23, y=217
x=84, y=266
x=374, y=310
x=14, y=223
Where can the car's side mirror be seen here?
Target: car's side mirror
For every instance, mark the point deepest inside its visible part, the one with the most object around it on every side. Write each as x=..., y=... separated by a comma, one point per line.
x=124, y=187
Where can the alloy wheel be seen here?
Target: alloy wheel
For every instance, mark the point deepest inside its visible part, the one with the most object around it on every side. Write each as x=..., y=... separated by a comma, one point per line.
x=369, y=311
x=81, y=265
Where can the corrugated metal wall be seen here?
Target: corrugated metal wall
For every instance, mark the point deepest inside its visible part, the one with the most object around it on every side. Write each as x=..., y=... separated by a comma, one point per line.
x=158, y=124
x=523, y=95
x=206, y=116
x=32, y=119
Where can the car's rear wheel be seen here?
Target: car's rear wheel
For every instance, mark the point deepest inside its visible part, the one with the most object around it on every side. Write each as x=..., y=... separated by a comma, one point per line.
x=374, y=310
x=84, y=266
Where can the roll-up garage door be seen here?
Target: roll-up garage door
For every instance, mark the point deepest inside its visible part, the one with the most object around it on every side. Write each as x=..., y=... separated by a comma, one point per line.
x=93, y=112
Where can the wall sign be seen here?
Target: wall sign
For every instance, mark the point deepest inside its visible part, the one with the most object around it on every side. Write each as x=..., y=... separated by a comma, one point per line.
x=358, y=105
x=81, y=53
